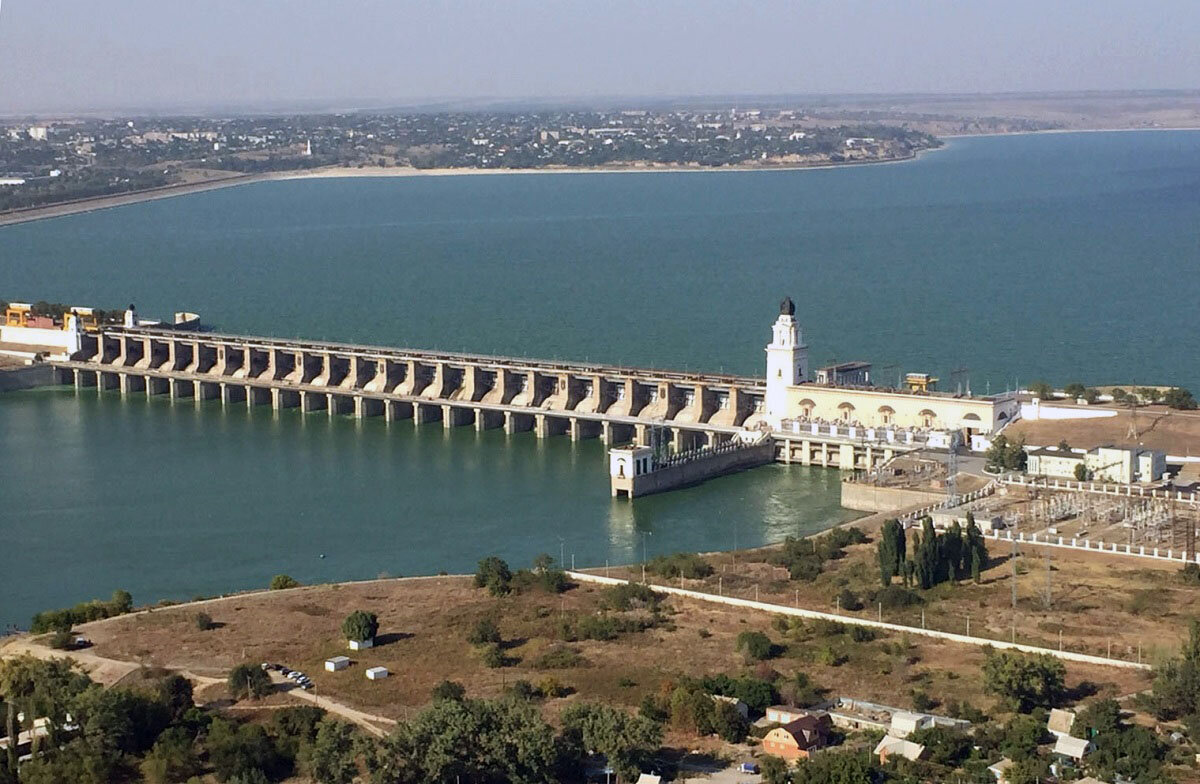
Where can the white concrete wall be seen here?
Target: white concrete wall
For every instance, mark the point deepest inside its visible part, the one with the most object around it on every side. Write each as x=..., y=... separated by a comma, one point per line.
x=1039, y=410
x=57, y=338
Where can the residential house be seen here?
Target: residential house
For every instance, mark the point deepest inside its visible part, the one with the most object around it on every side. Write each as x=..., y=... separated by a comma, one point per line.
x=1060, y=722
x=742, y=708
x=898, y=747
x=1000, y=770
x=783, y=714
x=1073, y=749
x=797, y=739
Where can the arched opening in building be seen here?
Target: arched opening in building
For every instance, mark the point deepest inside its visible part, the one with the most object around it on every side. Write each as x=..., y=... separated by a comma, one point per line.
x=846, y=412
x=927, y=418
x=887, y=415
x=806, y=408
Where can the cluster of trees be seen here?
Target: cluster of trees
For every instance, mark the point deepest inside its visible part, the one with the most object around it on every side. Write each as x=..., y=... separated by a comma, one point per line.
x=689, y=707
x=155, y=733
x=1176, y=690
x=494, y=574
x=507, y=740
x=1175, y=397
x=687, y=565
x=927, y=558
x=83, y=184
x=1005, y=455
x=1024, y=681
x=62, y=620
x=805, y=558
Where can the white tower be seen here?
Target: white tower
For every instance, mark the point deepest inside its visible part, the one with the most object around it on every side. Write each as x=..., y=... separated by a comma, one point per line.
x=787, y=362
x=131, y=319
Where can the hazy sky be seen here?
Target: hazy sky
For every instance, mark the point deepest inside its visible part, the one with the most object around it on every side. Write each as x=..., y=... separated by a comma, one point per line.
x=101, y=54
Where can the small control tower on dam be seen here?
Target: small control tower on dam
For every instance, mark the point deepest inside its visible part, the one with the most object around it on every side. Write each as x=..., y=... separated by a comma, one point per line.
x=835, y=424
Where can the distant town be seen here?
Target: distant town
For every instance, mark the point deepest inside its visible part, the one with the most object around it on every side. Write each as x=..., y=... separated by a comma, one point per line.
x=49, y=163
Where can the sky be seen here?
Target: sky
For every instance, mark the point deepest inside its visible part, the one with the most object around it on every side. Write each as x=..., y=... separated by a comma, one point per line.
x=92, y=55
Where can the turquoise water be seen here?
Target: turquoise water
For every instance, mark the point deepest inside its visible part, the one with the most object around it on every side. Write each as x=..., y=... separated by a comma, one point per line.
x=1063, y=257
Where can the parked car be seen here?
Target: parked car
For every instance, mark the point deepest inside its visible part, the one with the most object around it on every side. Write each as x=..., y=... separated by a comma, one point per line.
x=748, y=767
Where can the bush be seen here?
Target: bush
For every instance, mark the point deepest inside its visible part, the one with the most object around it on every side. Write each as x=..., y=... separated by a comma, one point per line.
x=755, y=645
x=1190, y=574
x=523, y=690
x=485, y=632
x=862, y=634
x=629, y=596
x=360, y=626
x=281, y=581
x=551, y=688
x=895, y=597
x=923, y=702
x=62, y=641
x=204, y=621
x=596, y=627
x=62, y=620
x=560, y=657
x=449, y=690
x=848, y=600
x=687, y=565
x=493, y=657
x=249, y=680
x=1024, y=681
x=493, y=573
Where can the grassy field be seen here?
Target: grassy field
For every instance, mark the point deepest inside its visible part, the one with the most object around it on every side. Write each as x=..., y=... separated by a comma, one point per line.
x=1100, y=604
x=425, y=623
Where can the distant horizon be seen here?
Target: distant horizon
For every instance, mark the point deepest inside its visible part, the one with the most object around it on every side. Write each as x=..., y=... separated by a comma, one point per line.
x=145, y=56
x=564, y=103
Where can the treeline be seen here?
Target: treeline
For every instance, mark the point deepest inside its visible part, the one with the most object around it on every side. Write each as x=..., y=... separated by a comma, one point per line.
x=62, y=620
x=155, y=733
x=925, y=558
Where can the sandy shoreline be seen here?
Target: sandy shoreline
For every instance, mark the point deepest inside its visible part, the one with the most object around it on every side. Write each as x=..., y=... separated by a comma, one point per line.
x=119, y=200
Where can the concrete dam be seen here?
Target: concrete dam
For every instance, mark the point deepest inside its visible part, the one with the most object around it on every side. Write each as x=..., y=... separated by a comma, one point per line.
x=615, y=404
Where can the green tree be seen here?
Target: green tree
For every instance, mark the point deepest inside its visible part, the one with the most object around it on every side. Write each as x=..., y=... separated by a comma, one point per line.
x=360, y=626
x=728, y=723
x=449, y=690
x=1098, y=718
x=248, y=680
x=469, y=740
x=172, y=758
x=484, y=632
x=240, y=749
x=755, y=645
x=1040, y=389
x=836, y=767
x=1180, y=398
x=39, y=688
x=1024, y=681
x=493, y=573
x=890, y=551
x=329, y=759
x=281, y=581
x=626, y=741
x=1176, y=690
x=1074, y=390
x=204, y=621
x=775, y=770
x=1081, y=472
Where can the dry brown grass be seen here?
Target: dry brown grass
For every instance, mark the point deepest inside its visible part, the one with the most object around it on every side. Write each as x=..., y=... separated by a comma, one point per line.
x=1175, y=432
x=424, y=624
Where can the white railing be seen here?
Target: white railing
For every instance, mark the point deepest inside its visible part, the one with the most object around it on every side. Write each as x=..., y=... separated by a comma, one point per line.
x=1102, y=488
x=1110, y=548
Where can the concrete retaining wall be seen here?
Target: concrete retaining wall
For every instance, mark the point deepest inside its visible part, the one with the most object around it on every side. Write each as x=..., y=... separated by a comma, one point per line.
x=27, y=377
x=782, y=609
x=696, y=471
x=868, y=498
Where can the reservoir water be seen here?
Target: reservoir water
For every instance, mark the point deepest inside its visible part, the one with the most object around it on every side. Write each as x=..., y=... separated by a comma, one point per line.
x=1065, y=257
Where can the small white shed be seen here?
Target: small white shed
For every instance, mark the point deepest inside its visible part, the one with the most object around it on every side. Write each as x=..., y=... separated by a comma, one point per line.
x=376, y=673
x=359, y=645
x=337, y=663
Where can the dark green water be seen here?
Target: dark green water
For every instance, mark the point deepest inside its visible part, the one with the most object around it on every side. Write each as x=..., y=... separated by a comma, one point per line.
x=1062, y=257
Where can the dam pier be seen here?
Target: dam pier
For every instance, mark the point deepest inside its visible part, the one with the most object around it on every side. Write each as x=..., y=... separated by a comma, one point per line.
x=672, y=428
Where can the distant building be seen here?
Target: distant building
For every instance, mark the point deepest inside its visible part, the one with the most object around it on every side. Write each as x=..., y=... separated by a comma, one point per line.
x=12, y=180
x=1000, y=770
x=1073, y=749
x=783, y=714
x=898, y=747
x=37, y=133
x=854, y=374
x=741, y=707
x=1121, y=464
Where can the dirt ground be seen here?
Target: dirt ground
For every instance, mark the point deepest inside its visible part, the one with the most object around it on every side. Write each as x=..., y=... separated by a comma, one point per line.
x=1105, y=605
x=1159, y=427
x=424, y=624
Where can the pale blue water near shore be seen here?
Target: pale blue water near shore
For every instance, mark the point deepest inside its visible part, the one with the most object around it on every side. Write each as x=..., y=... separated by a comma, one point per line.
x=1067, y=257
